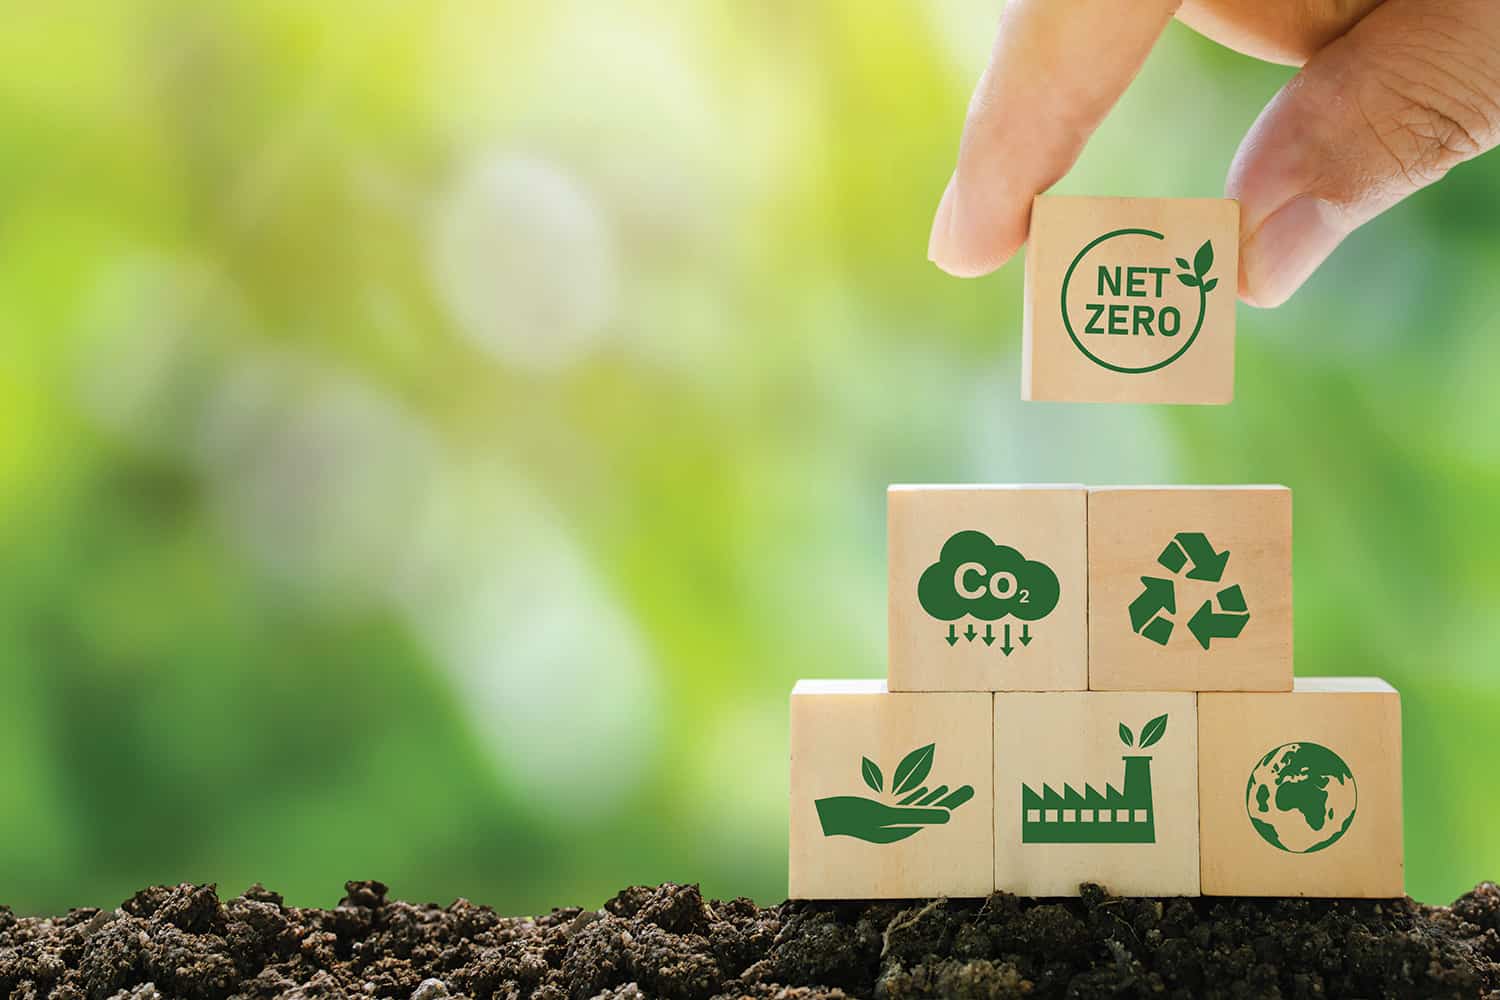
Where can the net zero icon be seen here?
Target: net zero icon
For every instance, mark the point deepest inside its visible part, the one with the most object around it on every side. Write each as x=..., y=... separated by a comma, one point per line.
x=977, y=578
x=1189, y=556
x=1127, y=308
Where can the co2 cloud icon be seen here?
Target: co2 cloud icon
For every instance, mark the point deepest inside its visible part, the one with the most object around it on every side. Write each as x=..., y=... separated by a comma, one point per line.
x=974, y=576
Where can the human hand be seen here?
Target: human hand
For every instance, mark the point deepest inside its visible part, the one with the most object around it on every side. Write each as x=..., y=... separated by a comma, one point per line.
x=878, y=823
x=1392, y=94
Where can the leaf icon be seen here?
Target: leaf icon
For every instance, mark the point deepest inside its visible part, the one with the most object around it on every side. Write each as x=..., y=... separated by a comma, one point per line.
x=1210, y=284
x=1183, y=264
x=1204, y=258
x=1188, y=279
x=872, y=774
x=1126, y=737
x=912, y=769
x=1153, y=731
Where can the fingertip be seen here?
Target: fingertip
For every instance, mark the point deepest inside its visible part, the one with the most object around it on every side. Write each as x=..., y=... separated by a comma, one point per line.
x=1248, y=292
x=1257, y=303
x=941, y=221
x=959, y=268
x=1287, y=248
x=974, y=233
x=1260, y=299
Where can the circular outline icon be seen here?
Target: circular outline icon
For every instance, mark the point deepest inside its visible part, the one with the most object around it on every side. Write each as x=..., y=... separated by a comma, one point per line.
x=1068, y=276
x=1256, y=824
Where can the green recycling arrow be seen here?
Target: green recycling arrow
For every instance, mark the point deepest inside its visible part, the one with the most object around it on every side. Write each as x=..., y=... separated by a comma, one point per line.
x=1207, y=564
x=1151, y=610
x=1159, y=595
x=1207, y=624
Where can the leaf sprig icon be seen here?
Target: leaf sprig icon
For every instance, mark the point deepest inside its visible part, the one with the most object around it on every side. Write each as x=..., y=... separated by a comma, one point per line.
x=912, y=769
x=1195, y=275
x=1151, y=733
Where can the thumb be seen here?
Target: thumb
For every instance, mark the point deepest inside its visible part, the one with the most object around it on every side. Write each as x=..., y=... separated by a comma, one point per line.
x=1410, y=92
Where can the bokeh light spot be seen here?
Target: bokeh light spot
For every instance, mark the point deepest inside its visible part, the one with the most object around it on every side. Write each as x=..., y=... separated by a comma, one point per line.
x=522, y=258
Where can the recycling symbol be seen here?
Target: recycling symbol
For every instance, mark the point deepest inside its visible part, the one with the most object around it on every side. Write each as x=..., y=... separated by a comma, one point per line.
x=1150, y=612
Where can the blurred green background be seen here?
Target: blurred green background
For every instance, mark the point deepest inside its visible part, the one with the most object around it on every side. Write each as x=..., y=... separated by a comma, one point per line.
x=434, y=437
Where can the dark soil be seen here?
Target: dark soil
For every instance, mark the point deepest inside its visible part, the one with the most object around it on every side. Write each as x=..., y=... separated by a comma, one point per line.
x=670, y=942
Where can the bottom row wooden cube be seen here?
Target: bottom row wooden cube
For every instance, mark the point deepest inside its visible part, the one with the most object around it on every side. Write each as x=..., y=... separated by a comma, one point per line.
x=892, y=795
x=900, y=795
x=1301, y=792
x=1096, y=787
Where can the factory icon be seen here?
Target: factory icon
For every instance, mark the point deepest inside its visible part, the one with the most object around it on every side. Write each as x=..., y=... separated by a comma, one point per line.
x=1116, y=816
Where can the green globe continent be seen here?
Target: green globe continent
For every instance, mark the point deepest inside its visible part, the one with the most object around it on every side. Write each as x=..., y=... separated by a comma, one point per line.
x=1301, y=797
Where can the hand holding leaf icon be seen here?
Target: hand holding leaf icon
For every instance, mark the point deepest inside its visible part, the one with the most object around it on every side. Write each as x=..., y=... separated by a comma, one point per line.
x=878, y=823
x=916, y=805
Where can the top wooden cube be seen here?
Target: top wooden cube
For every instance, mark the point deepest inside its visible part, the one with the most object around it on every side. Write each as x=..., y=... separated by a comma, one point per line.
x=1190, y=588
x=1130, y=300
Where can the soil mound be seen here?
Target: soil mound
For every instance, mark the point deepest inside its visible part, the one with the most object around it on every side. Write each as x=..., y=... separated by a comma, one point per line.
x=668, y=941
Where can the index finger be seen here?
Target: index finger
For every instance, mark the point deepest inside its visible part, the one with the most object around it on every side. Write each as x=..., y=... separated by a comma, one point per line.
x=901, y=816
x=1057, y=68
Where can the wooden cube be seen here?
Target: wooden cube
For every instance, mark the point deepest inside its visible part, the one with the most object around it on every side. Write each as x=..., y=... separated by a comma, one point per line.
x=1096, y=787
x=1190, y=588
x=1301, y=791
x=988, y=588
x=891, y=793
x=1130, y=300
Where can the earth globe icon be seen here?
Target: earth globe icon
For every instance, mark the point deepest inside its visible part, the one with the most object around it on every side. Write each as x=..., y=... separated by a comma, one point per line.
x=1301, y=797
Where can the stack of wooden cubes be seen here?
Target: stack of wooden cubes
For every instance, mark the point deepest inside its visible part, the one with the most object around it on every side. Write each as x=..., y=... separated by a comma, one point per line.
x=1093, y=685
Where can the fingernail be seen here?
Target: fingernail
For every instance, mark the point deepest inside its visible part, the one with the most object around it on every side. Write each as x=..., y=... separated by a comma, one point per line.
x=939, y=242
x=1287, y=249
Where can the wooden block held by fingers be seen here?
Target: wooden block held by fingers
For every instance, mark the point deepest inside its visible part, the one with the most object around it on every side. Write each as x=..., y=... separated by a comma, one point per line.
x=1130, y=300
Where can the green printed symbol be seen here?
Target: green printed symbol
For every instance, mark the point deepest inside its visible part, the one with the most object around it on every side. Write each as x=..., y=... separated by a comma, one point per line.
x=1196, y=274
x=913, y=805
x=1150, y=612
x=1111, y=817
x=1301, y=797
x=974, y=576
x=1120, y=310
